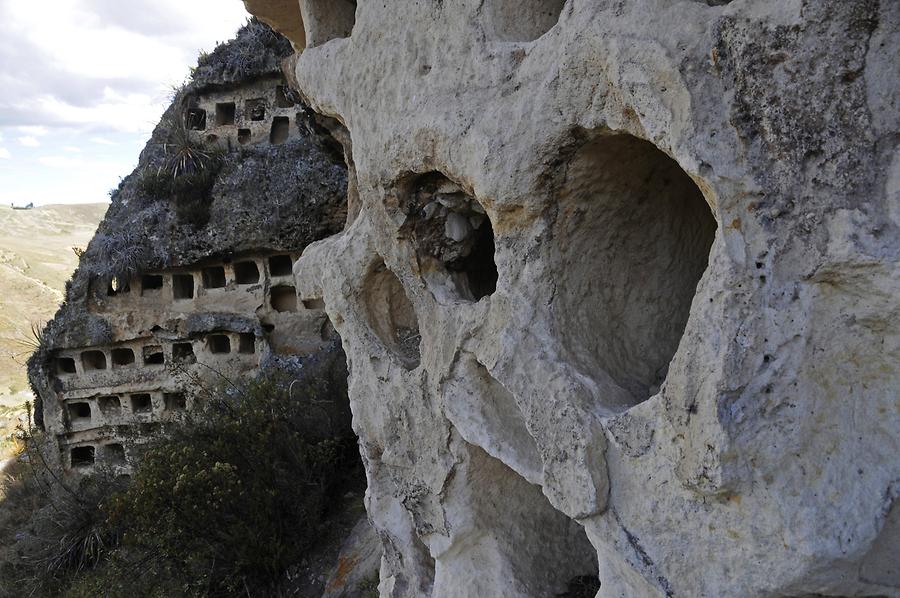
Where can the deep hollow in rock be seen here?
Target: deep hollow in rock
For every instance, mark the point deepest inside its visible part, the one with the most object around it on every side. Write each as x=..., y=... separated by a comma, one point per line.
x=452, y=234
x=151, y=283
x=141, y=403
x=183, y=353
x=637, y=236
x=82, y=456
x=214, y=277
x=219, y=344
x=255, y=109
x=520, y=20
x=122, y=358
x=93, y=360
x=153, y=355
x=110, y=405
x=247, y=343
x=225, y=113
x=79, y=411
x=65, y=365
x=284, y=299
x=174, y=401
x=246, y=273
x=281, y=265
x=114, y=454
x=182, y=286
x=391, y=315
x=281, y=130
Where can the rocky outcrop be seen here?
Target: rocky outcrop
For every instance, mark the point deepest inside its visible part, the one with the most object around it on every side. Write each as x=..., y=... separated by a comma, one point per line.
x=189, y=280
x=621, y=298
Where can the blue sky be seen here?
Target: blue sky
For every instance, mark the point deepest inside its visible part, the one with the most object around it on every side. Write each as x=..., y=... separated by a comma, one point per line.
x=85, y=81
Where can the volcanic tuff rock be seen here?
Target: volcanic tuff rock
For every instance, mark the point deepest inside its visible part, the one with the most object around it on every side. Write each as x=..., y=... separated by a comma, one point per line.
x=669, y=355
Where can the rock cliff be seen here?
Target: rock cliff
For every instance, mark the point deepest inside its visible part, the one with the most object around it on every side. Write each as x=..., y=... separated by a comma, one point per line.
x=619, y=289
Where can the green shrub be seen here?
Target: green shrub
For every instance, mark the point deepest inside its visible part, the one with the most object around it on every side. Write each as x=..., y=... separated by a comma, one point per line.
x=235, y=494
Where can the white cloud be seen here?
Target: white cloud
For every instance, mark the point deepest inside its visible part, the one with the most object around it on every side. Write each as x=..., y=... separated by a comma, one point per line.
x=102, y=141
x=4, y=154
x=29, y=141
x=72, y=149
x=36, y=131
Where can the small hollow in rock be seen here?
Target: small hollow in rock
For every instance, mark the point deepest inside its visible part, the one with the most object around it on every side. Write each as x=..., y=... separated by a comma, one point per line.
x=114, y=454
x=391, y=315
x=195, y=119
x=244, y=136
x=255, y=109
x=219, y=344
x=214, y=277
x=110, y=405
x=452, y=235
x=93, y=360
x=281, y=265
x=182, y=286
x=174, y=401
x=141, y=403
x=247, y=343
x=82, y=456
x=183, y=353
x=79, y=411
x=246, y=273
x=153, y=355
x=122, y=358
x=225, y=113
x=65, y=365
x=284, y=298
x=281, y=130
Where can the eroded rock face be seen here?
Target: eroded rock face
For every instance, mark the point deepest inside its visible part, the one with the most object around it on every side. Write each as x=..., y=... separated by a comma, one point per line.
x=674, y=363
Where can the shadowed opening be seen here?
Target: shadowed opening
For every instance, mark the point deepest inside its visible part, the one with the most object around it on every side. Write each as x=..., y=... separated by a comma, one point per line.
x=82, y=456
x=391, y=315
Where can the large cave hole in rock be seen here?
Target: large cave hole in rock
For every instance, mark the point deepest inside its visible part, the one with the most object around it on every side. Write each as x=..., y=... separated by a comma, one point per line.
x=520, y=20
x=214, y=277
x=633, y=235
x=151, y=284
x=246, y=343
x=218, y=344
x=452, y=234
x=510, y=531
x=281, y=265
x=174, y=401
x=325, y=20
x=153, y=355
x=141, y=403
x=255, y=109
x=225, y=113
x=392, y=316
x=183, y=353
x=195, y=119
x=117, y=286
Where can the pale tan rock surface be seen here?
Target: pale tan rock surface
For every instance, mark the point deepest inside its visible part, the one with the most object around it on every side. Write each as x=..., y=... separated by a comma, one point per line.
x=684, y=376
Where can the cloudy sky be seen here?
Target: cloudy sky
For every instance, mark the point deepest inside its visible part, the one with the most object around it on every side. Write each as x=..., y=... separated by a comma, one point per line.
x=85, y=81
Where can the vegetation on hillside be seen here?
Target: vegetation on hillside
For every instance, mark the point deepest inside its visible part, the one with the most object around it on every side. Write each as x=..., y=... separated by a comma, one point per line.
x=222, y=503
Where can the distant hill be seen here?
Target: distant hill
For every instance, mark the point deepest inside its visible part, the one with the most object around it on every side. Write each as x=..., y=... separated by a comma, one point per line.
x=36, y=260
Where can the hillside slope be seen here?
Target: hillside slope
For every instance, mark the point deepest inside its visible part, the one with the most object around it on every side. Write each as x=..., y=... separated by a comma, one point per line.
x=36, y=260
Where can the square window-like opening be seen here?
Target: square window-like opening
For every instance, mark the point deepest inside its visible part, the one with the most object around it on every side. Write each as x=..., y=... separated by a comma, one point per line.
x=122, y=358
x=182, y=286
x=151, y=284
x=195, y=119
x=79, y=411
x=82, y=456
x=255, y=109
x=175, y=401
x=219, y=343
x=114, y=454
x=183, y=353
x=284, y=298
x=110, y=405
x=141, y=403
x=225, y=113
x=214, y=277
x=65, y=365
x=93, y=360
x=247, y=343
x=281, y=265
x=244, y=136
x=281, y=130
x=246, y=273
x=153, y=355
x=281, y=97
